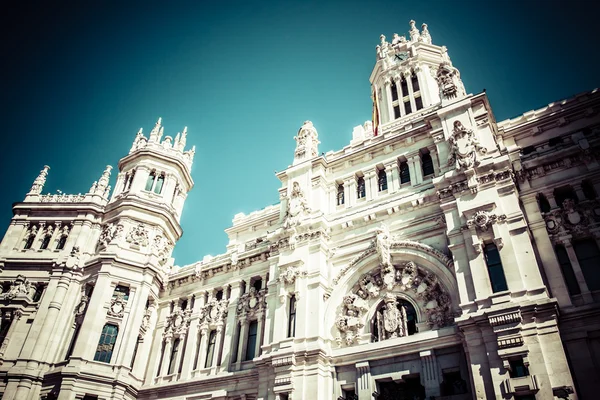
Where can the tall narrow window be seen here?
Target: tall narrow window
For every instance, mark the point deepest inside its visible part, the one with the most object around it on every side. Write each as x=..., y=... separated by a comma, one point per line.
x=543, y=203
x=150, y=181
x=173, y=359
x=567, y=269
x=125, y=181
x=361, y=191
x=397, y=111
x=73, y=341
x=404, y=172
x=29, y=242
x=292, y=317
x=106, y=344
x=394, y=90
x=495, y=270
x=418, y=102
x=45, y=242
x=404, y=86
x=61, y=242
x=135, y=351
x=382, y=180
x=159, y=184
x=162, y=358
x=427, y=164
x=588, y=190
x=518, y=369
x=210, y=351
x=340, y=194
x=588, y=255
x=236, y=343
x=251, y=342
x=130, y=180
x=415, y=82
x=407, y=107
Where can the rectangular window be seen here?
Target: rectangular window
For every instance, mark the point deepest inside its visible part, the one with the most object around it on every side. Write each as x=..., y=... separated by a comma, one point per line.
x=394, y=92
x=107, y=343
x=173, y=359
x=251, y=342
x=495, y=270
x=415, y=82
x=407, y=108
x=404, y=172
x=121, y=290
x=518, y=368
x=210, y=351
x=404, y=87
x=292, y=317
x=236, y=343
x=360, y=188
x=419, y=102
x=396, y=111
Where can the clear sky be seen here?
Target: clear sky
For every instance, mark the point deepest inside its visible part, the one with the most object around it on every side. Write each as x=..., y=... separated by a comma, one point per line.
x=80, y=79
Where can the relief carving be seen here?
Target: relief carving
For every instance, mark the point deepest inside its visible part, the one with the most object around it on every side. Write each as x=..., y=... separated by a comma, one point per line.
x=213, y=311
x=177, y=323
x=138, y=236
x=464, y=148
x=252, y=303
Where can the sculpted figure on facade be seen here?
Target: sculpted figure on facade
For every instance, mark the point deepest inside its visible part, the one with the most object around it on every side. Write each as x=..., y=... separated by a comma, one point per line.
x=297, y=208
x=138, y=236
x=109, y=232
x=464, y=148
x=576, y=219
x=307, y=142
x=391, y=319
x=21, y=286
x=448, y=80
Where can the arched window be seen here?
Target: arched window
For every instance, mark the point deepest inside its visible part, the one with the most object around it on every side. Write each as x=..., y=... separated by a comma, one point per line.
x=427, y=163
x=173, y=359
x=404, y=172
x=588, y=190
x=251, y=343
x=543, y=203
x=150, y=181
x=340, y=194
x=159, y=184
x=403, y=316
x=494, y=266
x=45, y=242
x=360, y=187
x=210, y=351
x=382, y=180
x=61, y=242
x=107, y=343
x=588, y=255
x=292, y=317
x=567, y=269
x=29, y=242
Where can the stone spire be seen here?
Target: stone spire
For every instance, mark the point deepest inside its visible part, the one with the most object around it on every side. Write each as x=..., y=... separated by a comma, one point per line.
x=155, y=134
x=307, y=143
x=38, y=183
x=101, y=187
x=180, y=141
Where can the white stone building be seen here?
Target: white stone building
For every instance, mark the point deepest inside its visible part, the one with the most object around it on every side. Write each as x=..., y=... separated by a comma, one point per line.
x=441, y=254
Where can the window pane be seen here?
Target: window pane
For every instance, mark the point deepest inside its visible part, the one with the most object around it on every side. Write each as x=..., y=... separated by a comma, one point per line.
x=567, y=270
x=159, y=184
x=588, y=256
x=415, y=83
x=212, y=338
x=150, y=181
x=492, y=259
x=394, y=91
x=419, y=102
x=404, y=173
x=407, y=108
x=106, y=343
x=427, y=164
x=251, y=344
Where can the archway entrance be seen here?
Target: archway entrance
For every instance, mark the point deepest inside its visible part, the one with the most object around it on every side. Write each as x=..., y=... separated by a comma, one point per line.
x=408, y=389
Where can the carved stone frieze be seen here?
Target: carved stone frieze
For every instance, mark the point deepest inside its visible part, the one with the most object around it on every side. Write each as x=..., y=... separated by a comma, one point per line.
x=213, y=311
x=576, y=219
x=482, y=220
x=455, y=188
x=465, y=149
x=110, y=232
x=448, y=80
x=297, y=208
x=147, y=319
x=177, y=323
x=251, y=303
x=138, y=236
x=21, y=286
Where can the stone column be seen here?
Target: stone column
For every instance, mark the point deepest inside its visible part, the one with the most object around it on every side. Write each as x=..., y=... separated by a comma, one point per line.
x=477, y=265
x=412, y=169
x=139, y=179
x=421, y=73
x=216, y=361
x=259, y=333
x=166, y=357
x=370, y=185
x=430, y=377
x=203, y=346
x=364, y=386
x=230, y=324
x=242, y=343
x=182, y=338
x=393, y=176
x=347, y=193
x=435, y=159
x=192, y=345
x=476, y=352
x=168, y=189
x=144, y=348
x=400, y=96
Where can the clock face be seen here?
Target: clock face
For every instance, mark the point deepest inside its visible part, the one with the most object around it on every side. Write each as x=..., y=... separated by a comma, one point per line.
x=402, y=56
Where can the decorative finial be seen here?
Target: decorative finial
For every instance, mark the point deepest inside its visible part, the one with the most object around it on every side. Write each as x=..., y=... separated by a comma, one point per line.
x=101, y=185
x=382, y=37
x=425, y=36
x=159, y=122
x=154, y=134
x=38, y=183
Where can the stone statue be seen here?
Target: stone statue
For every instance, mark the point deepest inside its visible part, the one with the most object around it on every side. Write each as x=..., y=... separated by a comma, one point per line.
x=391, y=320
x=465, y=147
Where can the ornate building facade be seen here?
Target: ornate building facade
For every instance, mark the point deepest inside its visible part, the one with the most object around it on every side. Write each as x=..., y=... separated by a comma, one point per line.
x=441, y=254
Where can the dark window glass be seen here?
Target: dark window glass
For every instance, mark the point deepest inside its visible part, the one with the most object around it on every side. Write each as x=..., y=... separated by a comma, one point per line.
x=173, y=359
x=61, y=242
x=257, y=284
x=382, y=180
x=340, y=194
x=121, y=289
x=563, y=193
x=453, y=384
x=162, y=357
x=394, y=91
x=29, y=242
x=45, y=242
x=219, y=295
x=427, y=164
x=349, y=394
x=360, y=187
x=404, y=86
x=184, y=305
x=518, y=369
x=377, y=322
x=135, y=350
x=415, y=83
x=107, y=343
x=567, y=269
x=588, y=190
x=528, y=150
x=150, y=181
x=554, y=141
x=159, y=184
x=404, y=172
x=396, y=111
x=407, y=108
x=292, y=317
x=495, y=270
x=251, y=343
x=543, y=203
x=419, y=102
x=130, y=180
x=236, y=345
x=210, y=351
x=588, y=256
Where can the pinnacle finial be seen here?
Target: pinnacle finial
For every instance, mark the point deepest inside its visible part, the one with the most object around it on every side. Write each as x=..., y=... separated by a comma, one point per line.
x=425, y=36
x=38, y=183
x=154, y=134
x=159, y=121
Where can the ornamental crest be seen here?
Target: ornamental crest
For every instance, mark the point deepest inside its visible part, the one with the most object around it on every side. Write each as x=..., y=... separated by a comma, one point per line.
x=109, y=233
x=117, y=305
x=297, y=207
x=177, y=323
x=252, y=303
x=288, y=275
x=213, y=311
x=465, y=148
x=574, y=219
x=482, y=220
x=138, y=236
x=21, y=286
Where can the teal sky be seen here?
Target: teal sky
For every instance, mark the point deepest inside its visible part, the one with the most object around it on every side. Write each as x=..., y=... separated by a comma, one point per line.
x=79, y=81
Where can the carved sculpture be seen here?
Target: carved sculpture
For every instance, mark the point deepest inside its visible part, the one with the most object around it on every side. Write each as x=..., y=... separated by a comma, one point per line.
x=448, y=80
x=307, y=142
x=288, y=275
x=38, y=183
x=117, y=305
x=138, y=236
x=577, y=220
x=297, y=207
x=391, y=320
x=251, y=303
x=465, y=147
x=177, y=323
x=213, y=311
x=482, y=220
x=21, y=286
